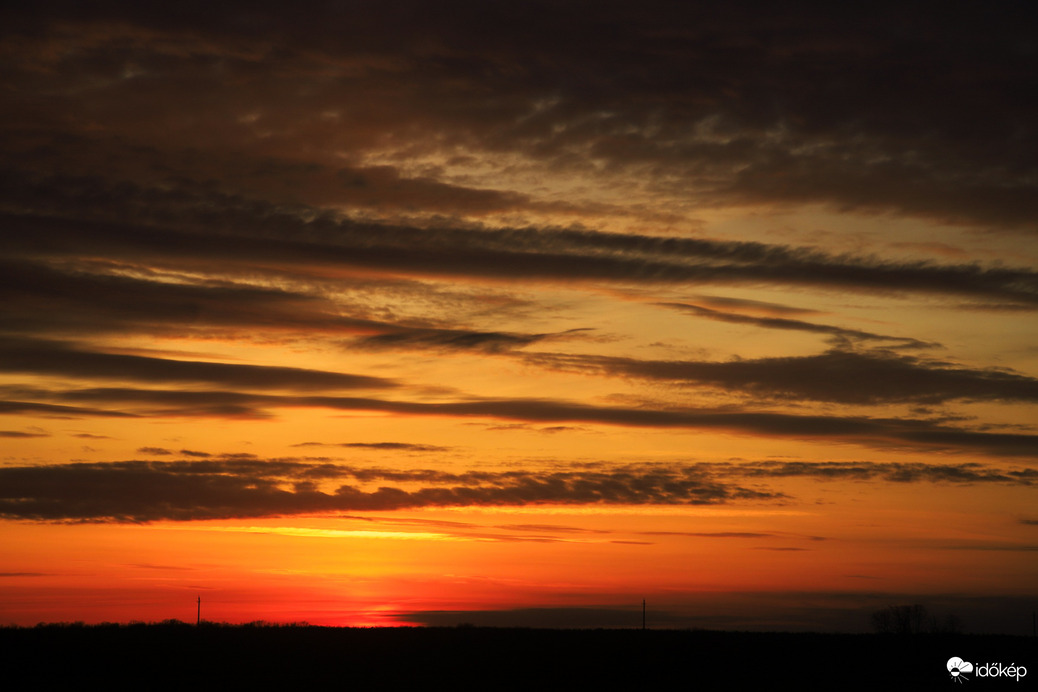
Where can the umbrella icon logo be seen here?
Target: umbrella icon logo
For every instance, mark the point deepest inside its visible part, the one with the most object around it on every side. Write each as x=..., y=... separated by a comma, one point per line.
x=957, y=667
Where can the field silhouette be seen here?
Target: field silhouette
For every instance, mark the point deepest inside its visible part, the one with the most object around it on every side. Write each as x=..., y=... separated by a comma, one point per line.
x=175, y=655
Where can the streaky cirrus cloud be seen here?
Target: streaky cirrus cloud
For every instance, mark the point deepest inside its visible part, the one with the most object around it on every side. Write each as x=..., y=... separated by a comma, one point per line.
x=457, y=339
x=754, y=306
x=379, y=446
x=837, y=333
x=57, y=410
x=211, y=228
x=19, y=434
x=877, y=432
x=118, y=298
x=55, y=358
x=842, y=376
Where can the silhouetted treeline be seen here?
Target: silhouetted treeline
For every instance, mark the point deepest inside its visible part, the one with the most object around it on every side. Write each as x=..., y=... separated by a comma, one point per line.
x=913, y=619
x=175, y=655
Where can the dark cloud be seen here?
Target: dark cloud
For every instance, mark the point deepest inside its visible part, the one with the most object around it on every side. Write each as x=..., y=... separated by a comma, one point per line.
x=925, y=110
x=74, y=299
x=459, y=339
x=378, y=446
x=309, y=237
x=57, y=410
x=25, y=574
x=842, y=376
x=101, y=298
x=759, y=306
x=381, y=187
x=141, y=491
x=894, y=472
x=20, y=434
x=545, y=430
x=859, y=430
x=449, y=340
x=53, y=358
x=838, y=333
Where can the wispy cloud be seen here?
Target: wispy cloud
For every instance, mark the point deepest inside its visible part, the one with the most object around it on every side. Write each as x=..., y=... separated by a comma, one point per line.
x=843, y=376
x=57, y=410
x=293, y=238
x=54, y=358
x=378, y=446
x=142, y=491
x=837, y=333
x=868, y=431
x=154, y=451
x=115, y=297
x=895, y=472
x=455, y=339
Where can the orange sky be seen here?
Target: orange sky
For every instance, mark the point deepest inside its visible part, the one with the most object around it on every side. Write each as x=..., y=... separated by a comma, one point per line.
x=517, y=316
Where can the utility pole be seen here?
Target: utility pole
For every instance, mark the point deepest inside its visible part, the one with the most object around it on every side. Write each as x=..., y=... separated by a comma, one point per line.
x=643, y=614
x=198, y=621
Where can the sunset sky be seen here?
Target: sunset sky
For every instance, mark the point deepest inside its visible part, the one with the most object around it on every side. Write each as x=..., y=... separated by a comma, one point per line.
x=377, y=313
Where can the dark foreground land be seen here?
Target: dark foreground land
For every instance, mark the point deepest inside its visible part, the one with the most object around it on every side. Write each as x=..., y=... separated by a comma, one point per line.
x=213, y=657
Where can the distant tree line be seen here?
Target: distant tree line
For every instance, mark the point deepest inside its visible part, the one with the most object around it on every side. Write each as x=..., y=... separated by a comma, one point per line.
x=912, y=619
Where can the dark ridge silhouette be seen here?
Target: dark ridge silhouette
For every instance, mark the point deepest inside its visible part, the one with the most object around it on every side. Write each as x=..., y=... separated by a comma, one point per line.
x=177, y=655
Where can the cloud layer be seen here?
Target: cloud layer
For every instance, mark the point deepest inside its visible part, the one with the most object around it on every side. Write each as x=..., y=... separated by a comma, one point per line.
x=227, y=487
x=925, y=111
x=843, y=376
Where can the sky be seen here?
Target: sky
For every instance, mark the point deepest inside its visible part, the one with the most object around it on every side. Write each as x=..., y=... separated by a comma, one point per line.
x=408, y=313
